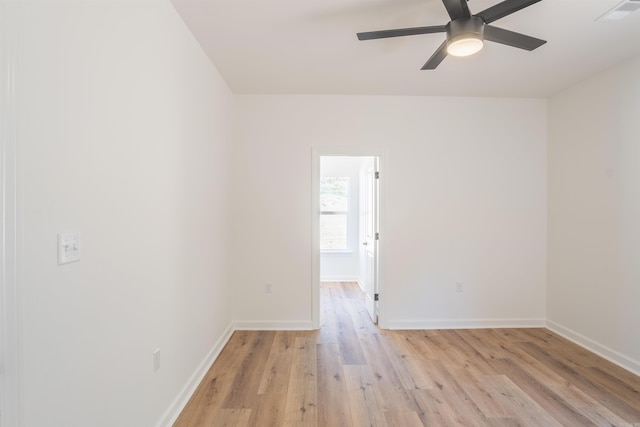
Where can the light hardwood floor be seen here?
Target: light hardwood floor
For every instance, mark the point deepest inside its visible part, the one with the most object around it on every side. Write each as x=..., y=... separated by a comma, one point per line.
x=350, y=373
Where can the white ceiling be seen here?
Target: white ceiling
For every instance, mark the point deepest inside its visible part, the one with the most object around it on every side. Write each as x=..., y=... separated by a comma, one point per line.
x=310, y=47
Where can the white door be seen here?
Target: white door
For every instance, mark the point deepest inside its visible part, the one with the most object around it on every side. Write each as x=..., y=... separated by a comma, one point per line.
x=371, y=241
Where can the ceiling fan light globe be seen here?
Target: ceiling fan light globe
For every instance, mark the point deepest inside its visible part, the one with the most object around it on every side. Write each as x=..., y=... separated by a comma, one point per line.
x=464, y=46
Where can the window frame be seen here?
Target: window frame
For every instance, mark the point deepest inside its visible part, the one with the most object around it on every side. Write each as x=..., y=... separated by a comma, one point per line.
x=347, y=214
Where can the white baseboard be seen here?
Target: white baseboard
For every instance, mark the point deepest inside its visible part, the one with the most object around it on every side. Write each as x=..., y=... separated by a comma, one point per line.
x=611, y=355
x=269, y=325
x=465, y=323
x=171, y=415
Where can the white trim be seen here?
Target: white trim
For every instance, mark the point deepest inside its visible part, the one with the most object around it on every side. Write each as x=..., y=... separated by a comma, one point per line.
x=315, y=240
x=465, y=323
x=10, y=391
x=173, y=412
x=271, y=325
x=337, y=252
x=601, y=350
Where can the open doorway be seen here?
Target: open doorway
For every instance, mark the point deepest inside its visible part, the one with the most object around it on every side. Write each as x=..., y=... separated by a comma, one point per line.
x=348, y=224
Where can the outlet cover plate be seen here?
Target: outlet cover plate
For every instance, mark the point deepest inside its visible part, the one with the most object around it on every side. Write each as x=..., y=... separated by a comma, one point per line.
x=68, y=247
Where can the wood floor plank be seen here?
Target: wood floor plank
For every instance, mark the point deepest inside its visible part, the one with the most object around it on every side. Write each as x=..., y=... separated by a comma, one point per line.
x=299, y=424
x=304, y=367
x=445, y=352
x=207, y=399
x=352, y=374
x=233, y=418
x=300, y=409
x=269, y=411
x=550, y=401
x=485, y=341
x=568, y=372
x=360, y=317
x=568, y=390
x=302, y=394
x=328, y=328
x=538, y=370
x=277, y=371
x=365, y=409
x=403, y=418
x=628, y=391
x=475, y=361
x=513, y=335
x=350, y=291
x=507, y=422
x=213, y=389
x=408, y=369
x=249, y=375
x=523, y=406
x=461, y=406
x=389, y=388
x=350, y=349
x=333, y=401
x=433, y=409
x=483, y=396
x=572, y=354
x=603, y=417
x=413, y=344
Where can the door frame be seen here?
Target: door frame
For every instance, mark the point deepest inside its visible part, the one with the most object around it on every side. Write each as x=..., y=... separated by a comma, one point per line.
x=10, y=396
x=371, y=229
x=316, y=154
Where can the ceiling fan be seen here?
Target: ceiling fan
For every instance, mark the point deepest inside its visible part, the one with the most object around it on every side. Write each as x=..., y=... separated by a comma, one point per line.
x=466, y=32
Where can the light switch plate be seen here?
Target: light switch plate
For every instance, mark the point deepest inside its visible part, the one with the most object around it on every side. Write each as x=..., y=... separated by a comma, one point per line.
x=68, y=247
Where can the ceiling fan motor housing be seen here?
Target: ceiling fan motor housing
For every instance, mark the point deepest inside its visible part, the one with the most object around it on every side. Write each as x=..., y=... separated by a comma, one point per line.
x=465, y=28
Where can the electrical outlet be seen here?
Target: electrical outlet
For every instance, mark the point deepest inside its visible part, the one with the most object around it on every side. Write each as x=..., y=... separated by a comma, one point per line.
x=459, y=287
x=156, y=360
x=267, y=288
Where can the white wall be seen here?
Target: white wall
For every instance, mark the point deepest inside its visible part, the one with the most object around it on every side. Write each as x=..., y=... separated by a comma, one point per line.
x=125, y=129
x=344, y=265
x=594, y=213
x=465, y=187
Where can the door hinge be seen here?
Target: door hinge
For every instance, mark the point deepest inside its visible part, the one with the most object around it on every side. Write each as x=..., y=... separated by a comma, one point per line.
x=376, y=297
x=377, y=175
x=377, y=236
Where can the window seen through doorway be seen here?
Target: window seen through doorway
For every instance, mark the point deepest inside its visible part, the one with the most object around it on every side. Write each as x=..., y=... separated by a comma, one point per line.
x=334, y=211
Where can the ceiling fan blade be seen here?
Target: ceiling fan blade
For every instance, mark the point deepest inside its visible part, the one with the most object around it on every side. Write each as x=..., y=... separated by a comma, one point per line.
x=383, y=34
x=437, y=57
x=500, y=35
x=500, y=10
x=457, y=9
